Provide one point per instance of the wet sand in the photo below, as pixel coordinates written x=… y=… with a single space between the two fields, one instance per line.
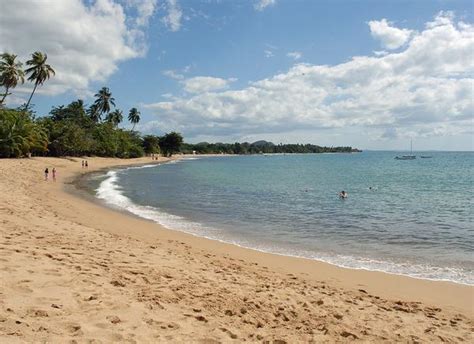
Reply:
x=75 y=271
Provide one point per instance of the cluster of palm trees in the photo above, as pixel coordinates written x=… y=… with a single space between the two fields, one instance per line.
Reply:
x=12 y=73
x=102 y=106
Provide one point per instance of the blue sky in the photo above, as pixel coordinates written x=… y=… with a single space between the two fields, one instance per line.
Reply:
x=285 y=71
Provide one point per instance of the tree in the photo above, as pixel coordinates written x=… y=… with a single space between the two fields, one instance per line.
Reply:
x=130 y=144
x=115 y=117
x=134 y=117
x=19 y=135
x=170 y=143
x=39 y=71
x=11 y=73
x=105 y=139
x=151 y=144
x=103 y=101
x=66 y=137
x=93 y=113
x=74 y=111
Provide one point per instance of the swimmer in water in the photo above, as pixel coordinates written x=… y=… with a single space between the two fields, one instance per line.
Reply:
x=342 y=194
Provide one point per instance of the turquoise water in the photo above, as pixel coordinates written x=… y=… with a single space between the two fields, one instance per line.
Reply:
x=416 y=220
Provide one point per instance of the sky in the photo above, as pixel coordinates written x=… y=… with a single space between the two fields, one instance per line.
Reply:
x=367 y=74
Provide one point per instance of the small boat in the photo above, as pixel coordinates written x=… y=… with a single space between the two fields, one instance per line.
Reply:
x=407 y=157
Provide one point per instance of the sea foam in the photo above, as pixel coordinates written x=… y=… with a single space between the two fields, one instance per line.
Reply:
x=112 y=194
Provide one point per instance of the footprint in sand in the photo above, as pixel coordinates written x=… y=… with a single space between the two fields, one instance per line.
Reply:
x=113 y=319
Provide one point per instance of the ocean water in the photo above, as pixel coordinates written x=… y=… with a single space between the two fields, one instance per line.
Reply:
x=417 y=219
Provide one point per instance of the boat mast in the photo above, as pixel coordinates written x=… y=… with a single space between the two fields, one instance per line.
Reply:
x=411 y=146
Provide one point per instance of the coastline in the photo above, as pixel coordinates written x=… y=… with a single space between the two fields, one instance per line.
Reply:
x=110 y=195
x=58 y=208
x=303 y=265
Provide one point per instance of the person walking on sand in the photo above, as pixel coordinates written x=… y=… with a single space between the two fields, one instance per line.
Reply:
x=54 y=174
x=82 y=163
x=87 y=164
x=46 y=173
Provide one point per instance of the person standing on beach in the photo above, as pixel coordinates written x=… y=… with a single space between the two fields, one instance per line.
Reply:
x=54 y=174
x=87 y=164
x=46 y=173
x=82 y=163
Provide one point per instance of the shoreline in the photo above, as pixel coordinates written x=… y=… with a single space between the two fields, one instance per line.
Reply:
x=88 y=191
x=215 y=277
x=308 y=261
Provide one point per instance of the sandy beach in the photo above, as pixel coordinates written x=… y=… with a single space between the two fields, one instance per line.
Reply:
x=74 y=271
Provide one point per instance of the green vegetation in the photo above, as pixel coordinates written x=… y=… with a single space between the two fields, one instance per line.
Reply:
x=39 y=71
x=259 y=147
x=20 y=135
x=151 y=144
x=170 y=143
x=73 y=130
x=80 y=130
x=134 y=117
x=10 y=73
x=102 y=104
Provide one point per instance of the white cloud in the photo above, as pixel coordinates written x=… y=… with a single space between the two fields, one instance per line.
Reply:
x=260 y=5
x=201 y=84
x=443 y=18
x=177 y=74
x=173 y=74
x=173 y=19
x=84 y=43
x=380 y=53
x=144 y=8
x=425 y=89
x=391 y=37
x=14 y=100
x=296 y=55
x=268 y=53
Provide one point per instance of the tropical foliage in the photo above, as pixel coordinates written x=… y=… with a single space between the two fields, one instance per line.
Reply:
x=134 y=117
x=102 y=103
x=20 y=135
x=73 y=132
x=115 y=117
x=259 y=147
x=170 y=143
x=39 y=71
x=74 y=129
x=10 y=73
x=151 y=144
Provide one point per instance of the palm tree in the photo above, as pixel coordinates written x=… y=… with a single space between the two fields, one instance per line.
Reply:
x=40 y=71
x=134 y=116
x=103 y=101
x=10 y=73
x=93 y=113
x=115 y=117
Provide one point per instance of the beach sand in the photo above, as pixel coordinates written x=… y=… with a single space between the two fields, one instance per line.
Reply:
x=75 y=271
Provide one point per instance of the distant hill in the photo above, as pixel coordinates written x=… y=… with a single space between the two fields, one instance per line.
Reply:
x=262 y=143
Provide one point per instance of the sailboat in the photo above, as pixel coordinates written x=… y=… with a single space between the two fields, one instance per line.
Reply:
x=407 y=157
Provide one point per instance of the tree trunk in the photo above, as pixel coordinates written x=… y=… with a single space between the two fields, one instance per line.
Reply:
x=5 y=95
x=133 y=126
x=31 y=96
